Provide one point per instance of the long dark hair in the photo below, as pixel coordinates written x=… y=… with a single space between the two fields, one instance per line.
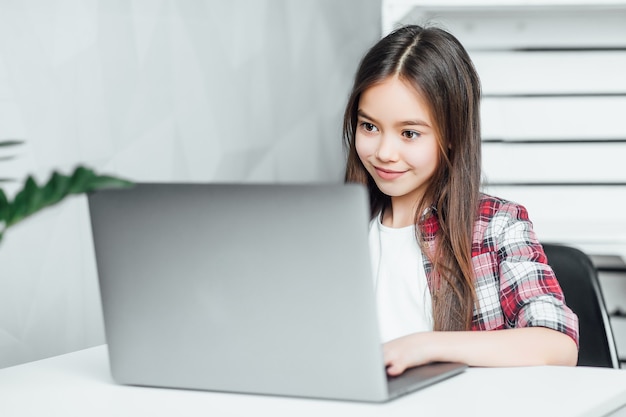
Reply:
x=438 y=67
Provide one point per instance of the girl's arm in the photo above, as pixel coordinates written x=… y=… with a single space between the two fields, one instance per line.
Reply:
x=511 y=347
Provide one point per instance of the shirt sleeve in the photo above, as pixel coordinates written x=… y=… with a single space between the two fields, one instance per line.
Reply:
x=530 y=294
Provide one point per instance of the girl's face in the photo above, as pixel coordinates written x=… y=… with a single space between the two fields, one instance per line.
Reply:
x=395 y=139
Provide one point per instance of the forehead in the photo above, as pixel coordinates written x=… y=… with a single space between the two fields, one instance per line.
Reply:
x=394 y=99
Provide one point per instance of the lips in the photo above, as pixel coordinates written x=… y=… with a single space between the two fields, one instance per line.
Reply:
x=388 y=174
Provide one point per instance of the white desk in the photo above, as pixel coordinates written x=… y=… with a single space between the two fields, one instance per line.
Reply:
x=79 y=384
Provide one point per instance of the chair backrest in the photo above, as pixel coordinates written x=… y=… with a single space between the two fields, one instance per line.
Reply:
x=578 y=278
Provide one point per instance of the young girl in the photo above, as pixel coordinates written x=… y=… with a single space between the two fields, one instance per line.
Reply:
x=448 y=260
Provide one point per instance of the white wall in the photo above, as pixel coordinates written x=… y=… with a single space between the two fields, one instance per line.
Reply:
x=157 y=90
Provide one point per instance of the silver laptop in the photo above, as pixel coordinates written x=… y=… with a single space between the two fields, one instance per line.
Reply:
x=262 y=289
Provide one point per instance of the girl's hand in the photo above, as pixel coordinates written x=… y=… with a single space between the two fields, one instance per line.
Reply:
x=406 y=352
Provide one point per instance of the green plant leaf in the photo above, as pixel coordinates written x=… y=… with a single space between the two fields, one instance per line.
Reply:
x=80 y=179
x=52 y=192
x=10 y=142
x=4 y=205
x=4 y=212
x=24 y=203
x=33 y=198
x=105 y=181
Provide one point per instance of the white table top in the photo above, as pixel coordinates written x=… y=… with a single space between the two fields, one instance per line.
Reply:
x=79 y=384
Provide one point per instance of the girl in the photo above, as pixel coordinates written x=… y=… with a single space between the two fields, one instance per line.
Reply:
x=448 y=260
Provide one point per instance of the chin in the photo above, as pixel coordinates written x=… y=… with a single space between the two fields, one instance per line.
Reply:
x=390 y=191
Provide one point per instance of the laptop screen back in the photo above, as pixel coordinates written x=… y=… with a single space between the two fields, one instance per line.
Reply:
x=242 y=288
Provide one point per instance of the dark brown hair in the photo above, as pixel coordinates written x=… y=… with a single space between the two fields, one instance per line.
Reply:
x=438 y=67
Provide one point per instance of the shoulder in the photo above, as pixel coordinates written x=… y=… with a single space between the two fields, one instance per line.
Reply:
x=500 y=221
x=491 y=206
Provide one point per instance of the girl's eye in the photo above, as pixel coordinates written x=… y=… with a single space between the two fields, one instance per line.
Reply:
x=411 y=134
x=368 y=127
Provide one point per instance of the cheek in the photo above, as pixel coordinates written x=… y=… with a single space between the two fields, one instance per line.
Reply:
x=364 y=147
x=427 y=158
x=418 y=158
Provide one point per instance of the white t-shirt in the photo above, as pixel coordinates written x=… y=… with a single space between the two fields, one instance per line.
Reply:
x=402 y=295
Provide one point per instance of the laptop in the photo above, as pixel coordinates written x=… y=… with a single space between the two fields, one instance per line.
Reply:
x=244 y=288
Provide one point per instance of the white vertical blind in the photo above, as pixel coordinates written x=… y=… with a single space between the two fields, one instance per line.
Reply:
x=554 y=109
x=553 y=115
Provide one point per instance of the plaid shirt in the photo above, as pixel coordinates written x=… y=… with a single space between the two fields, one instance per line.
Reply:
x=515 y=286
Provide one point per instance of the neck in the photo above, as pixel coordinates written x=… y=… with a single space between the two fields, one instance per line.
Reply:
x=401 y=213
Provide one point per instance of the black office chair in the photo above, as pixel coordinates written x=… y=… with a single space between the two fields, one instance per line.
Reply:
x=578 y=278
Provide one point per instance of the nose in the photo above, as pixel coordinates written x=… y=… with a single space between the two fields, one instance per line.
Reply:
x=387 y=150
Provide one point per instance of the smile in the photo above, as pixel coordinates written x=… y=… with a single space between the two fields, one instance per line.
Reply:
x=387 y=174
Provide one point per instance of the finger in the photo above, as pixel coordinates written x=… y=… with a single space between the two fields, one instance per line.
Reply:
x=395 y=369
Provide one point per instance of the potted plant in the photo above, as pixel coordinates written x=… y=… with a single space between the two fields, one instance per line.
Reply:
x=33 y=197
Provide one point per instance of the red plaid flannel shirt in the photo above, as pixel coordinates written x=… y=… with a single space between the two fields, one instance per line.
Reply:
x=515 y=286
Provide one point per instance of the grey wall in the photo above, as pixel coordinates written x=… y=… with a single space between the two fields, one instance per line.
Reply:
x=157 y=90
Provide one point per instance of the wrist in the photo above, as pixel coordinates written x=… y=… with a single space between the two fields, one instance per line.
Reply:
x=431 y=346
x=442 y=347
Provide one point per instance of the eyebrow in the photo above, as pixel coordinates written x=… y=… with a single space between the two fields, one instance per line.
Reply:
x=414 y=122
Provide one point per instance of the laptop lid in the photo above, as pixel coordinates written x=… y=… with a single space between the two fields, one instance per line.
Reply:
x=257 y=288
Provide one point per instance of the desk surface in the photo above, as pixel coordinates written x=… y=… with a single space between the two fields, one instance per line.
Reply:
x=79 y=384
